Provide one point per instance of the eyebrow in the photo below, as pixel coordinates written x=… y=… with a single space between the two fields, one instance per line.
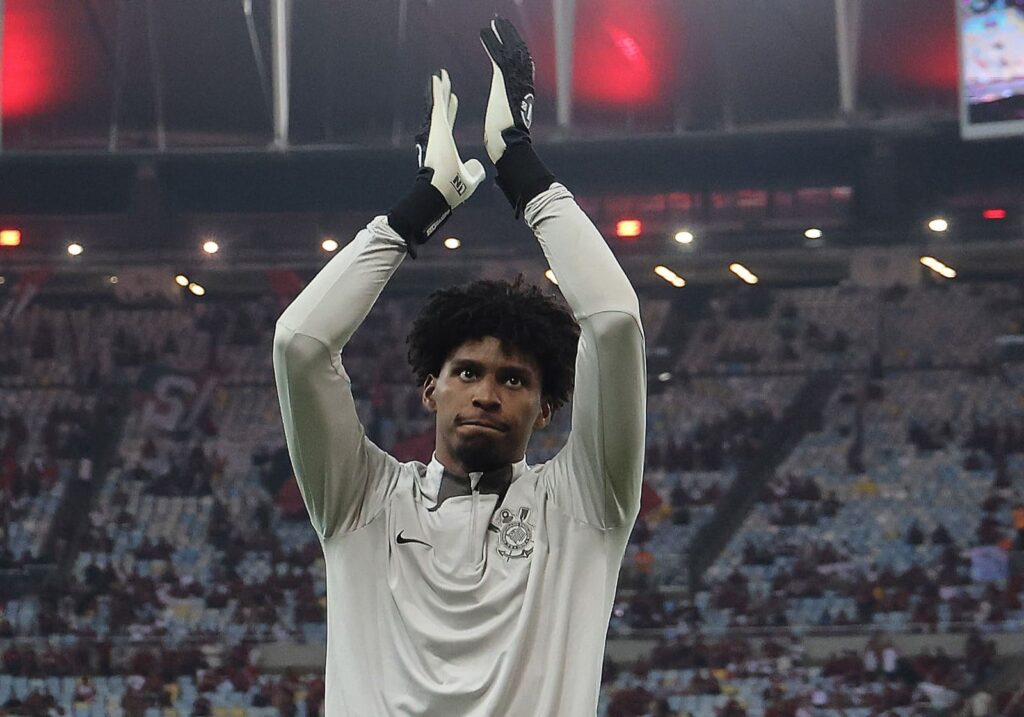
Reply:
x=516 y=369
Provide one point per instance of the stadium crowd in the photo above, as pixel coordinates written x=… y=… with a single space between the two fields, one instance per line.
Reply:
x=186 y=545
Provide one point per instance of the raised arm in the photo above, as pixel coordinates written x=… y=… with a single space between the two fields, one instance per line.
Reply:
x=344 y=478
x=596 y=478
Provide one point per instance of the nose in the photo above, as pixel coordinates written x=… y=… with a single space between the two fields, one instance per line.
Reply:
x=485 y=395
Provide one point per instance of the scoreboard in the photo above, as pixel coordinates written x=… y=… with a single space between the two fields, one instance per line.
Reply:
x=991 y=44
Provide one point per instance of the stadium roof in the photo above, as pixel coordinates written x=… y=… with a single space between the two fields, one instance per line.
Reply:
x=101 y=73
x=138 y=124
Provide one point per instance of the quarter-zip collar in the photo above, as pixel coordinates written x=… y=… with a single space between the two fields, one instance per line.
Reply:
x=439 y=483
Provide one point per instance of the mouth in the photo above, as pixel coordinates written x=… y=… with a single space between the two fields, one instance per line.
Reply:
x=484 y=424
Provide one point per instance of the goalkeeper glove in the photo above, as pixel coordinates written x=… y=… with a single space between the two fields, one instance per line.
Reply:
x=443 y=181
x=521 y=175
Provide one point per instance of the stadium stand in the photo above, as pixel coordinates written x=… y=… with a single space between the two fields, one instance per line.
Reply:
x=191 y=549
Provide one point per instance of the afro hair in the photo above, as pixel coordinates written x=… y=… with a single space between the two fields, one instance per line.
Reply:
x=525 y=320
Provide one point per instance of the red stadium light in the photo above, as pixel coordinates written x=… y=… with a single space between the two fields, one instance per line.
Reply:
x=994 y=214
x=628 y=228
x=35 y=72
x=10 y=237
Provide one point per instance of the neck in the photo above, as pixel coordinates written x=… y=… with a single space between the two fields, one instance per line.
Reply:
x=462 y=469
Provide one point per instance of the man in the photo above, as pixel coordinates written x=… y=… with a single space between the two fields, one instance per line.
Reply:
x=476 y=585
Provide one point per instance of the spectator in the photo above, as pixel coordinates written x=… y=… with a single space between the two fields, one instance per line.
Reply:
x=941 y=536
x=980 y=704
x=1018 y=526
x=85 y=693
x=914 y=534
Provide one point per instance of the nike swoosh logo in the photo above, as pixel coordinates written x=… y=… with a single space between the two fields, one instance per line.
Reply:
x=401 y=540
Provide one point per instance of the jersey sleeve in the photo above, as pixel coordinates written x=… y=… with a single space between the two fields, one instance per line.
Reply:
x=343 y=477
x=596 y=477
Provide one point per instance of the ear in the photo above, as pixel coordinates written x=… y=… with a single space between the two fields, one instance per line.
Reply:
x=544 y=418
x=427 y=396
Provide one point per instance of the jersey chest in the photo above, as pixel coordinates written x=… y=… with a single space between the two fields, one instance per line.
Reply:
x=469 y=540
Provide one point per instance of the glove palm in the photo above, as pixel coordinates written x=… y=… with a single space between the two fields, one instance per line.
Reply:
x=444 y=181
x=510 y=103
x=521 y=174
x=436 y=151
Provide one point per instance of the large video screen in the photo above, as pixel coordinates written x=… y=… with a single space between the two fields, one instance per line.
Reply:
x=991 y=36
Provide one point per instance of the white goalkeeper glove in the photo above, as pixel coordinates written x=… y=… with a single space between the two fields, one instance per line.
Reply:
x=444 y=181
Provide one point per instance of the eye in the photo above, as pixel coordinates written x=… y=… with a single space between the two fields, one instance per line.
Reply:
x=466 y=373
x=514 y=381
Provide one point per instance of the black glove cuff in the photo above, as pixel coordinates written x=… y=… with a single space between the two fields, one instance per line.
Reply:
x=521 y=174
x=419 y=213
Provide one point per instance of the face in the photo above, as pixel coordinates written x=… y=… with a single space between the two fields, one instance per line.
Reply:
x=488 y=403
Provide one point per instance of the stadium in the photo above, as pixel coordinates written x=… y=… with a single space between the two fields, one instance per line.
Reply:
x=819 y=206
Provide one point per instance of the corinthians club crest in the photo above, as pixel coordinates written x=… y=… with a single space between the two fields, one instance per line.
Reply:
x=515 y=535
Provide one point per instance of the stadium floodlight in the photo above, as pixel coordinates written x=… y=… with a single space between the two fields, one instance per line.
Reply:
x=75 y=249
x=670 y=276
x=628 y=228
x=938 y=225
x=664 y=376
x=684 y=237
x=938 y=267
x=813 y=233
x=113 y=279
x=211 y=247
x=196 y=289
x=329 y=245
x=550 y=276
x=744 y=273
x=10 y=237
x=452 y=243
x=181 y=280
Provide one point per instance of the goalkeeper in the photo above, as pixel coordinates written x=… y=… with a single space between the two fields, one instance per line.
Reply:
x=476 y=585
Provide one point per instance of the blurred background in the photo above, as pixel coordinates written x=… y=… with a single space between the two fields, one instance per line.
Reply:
x=820 y=203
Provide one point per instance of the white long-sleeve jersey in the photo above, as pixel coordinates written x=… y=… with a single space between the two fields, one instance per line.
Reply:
x=463 y=607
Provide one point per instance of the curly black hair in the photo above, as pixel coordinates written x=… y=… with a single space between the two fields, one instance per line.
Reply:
x=525 y=320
